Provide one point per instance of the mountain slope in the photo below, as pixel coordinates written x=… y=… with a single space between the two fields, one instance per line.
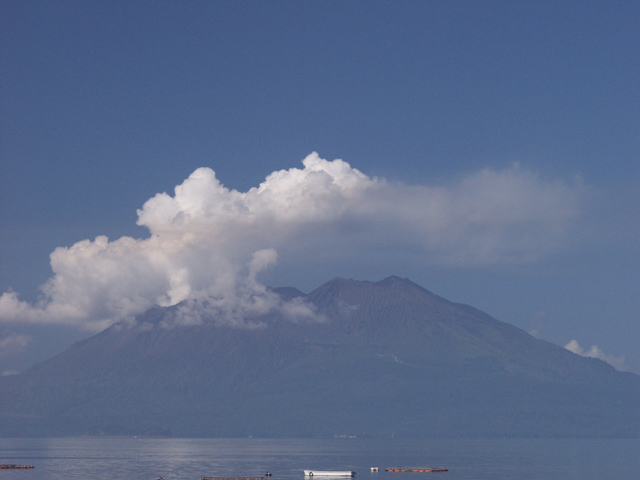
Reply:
x=383 y=358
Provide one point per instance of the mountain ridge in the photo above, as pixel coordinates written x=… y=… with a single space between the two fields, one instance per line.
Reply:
x=381 y=358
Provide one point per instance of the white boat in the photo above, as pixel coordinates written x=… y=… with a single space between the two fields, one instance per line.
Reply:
x=328 y=473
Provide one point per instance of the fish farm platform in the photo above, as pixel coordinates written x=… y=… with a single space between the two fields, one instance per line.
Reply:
x=417 y=469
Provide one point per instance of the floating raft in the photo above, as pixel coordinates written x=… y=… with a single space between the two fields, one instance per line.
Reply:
x=232 y=478
x=15 y=467
x=417 y=469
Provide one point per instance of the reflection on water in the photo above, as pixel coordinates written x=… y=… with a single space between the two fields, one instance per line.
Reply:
x=190 y=459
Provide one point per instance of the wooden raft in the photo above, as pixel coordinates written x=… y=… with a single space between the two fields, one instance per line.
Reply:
x=232 y=478
x=417 y=469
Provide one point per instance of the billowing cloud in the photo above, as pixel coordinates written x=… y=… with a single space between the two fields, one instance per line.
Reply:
x=595 y=352
x=207 y=244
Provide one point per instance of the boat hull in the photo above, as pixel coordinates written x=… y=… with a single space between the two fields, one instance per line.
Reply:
x=328 y=473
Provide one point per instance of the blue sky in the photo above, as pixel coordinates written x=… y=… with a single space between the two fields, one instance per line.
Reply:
x=492 y=155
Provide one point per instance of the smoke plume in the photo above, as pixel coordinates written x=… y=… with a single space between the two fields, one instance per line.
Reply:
x=595 y=352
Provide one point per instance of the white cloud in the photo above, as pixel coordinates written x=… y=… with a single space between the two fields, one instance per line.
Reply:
x=595 y=352
x=14 y=343
x=209 y=242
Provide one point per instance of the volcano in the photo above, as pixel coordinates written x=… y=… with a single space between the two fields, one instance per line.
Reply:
x=380 y=359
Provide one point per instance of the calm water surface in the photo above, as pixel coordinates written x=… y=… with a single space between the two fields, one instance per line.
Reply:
x=191 y=459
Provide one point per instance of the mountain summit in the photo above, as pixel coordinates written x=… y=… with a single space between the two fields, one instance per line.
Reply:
x=378 y=359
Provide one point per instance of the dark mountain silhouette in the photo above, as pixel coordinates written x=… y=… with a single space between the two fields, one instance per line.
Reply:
x=385 y=358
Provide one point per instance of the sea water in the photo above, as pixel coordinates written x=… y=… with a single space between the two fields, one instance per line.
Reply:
x=108 y=458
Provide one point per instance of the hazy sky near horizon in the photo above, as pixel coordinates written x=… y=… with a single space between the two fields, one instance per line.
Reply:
x=158 y=151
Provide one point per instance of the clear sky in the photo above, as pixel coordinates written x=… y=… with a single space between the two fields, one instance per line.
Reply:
x=490 y=152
